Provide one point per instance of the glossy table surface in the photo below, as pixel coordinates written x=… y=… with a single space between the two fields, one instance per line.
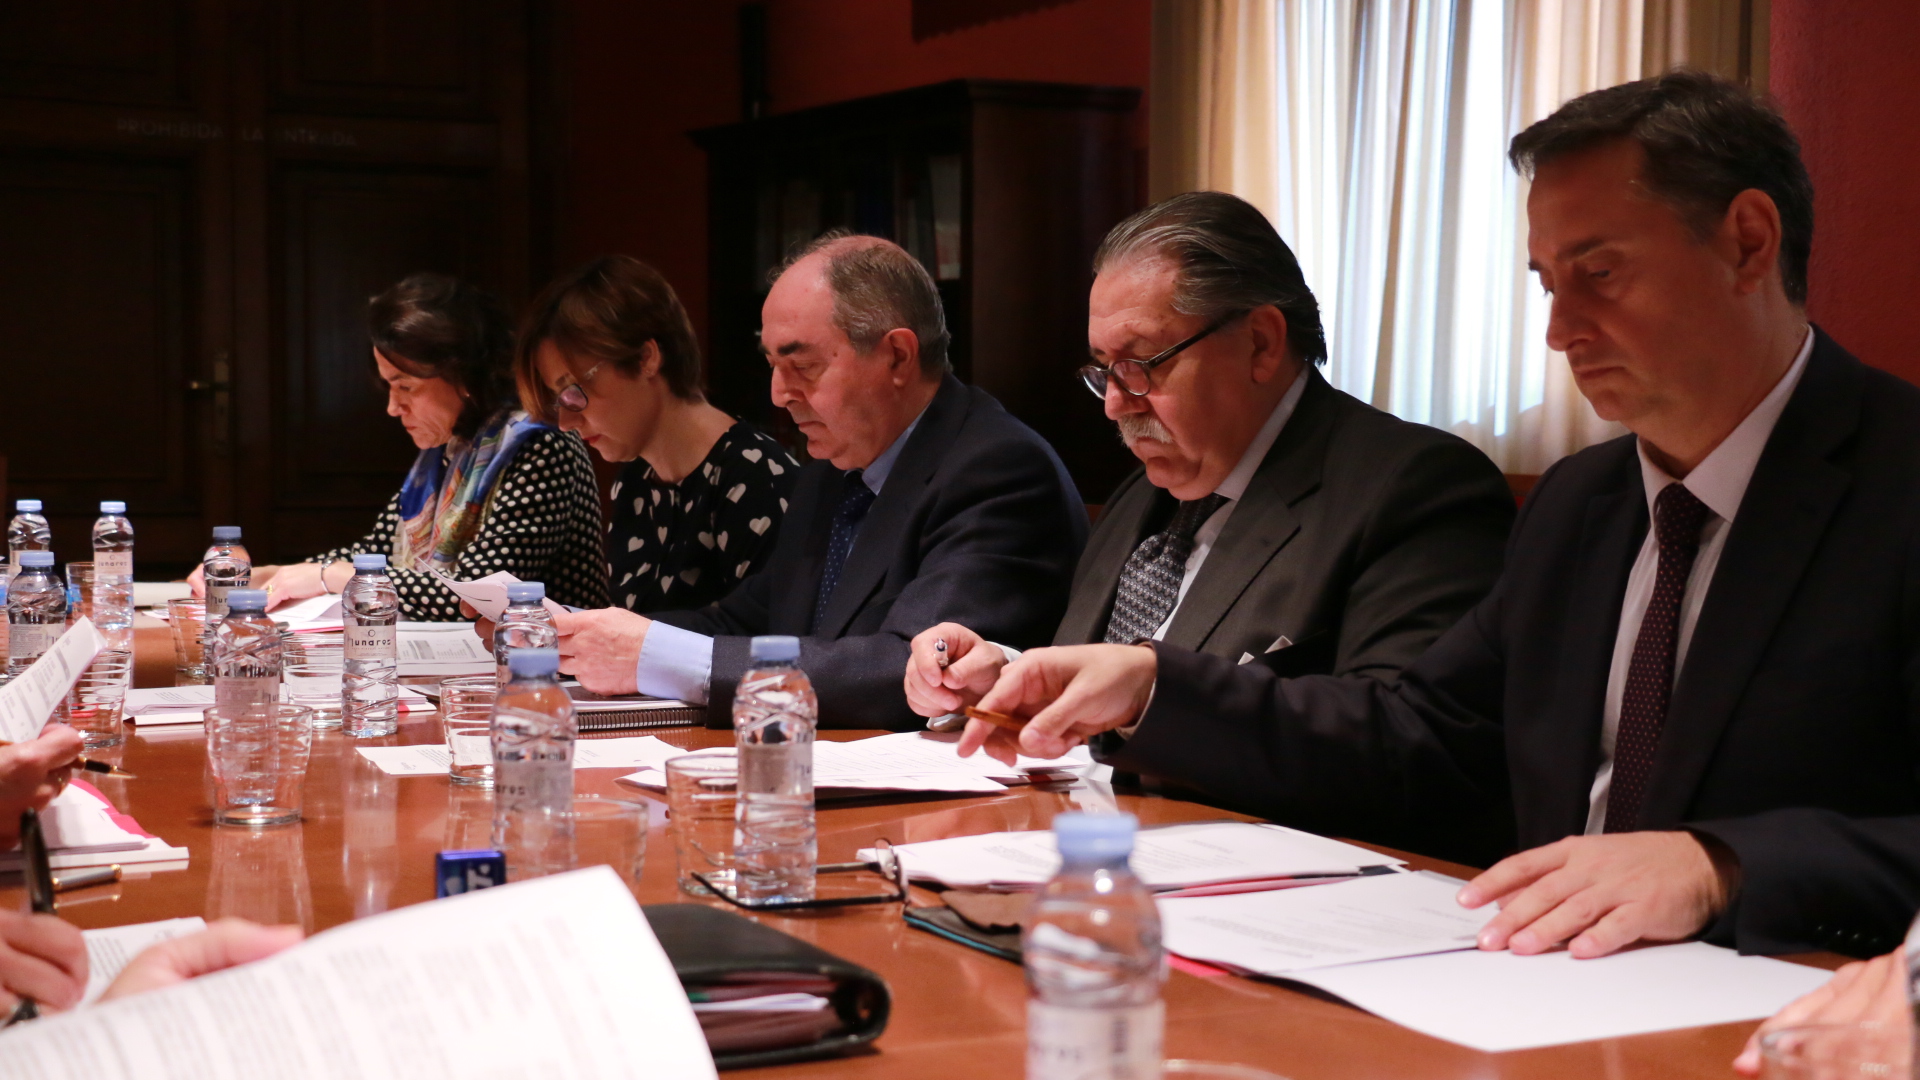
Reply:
x=368 y=841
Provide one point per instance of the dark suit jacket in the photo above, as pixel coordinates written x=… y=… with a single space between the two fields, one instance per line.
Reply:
x=1360 y=538
x=977 y=522
x=1794 y=730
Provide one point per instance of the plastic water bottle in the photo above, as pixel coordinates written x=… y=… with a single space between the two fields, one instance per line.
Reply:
x=36 y=611
x=225 y=567
x=1094 y=960
x=533 y=735
x=370 y=610
x=5 y=635
x=774 y=716
x=526 y=624
x=28 y=531
x=246 y=653
x=113 y=576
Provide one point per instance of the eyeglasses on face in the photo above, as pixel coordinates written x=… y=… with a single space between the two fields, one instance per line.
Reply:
x=574 y=397
x=1135 y=376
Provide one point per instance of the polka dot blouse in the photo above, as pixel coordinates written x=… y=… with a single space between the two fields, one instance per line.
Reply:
x=543 y=524
x=685 y=545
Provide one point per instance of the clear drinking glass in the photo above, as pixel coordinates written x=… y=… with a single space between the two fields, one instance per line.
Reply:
x=610 y=832
x=80 y=580
x=99 y=700
x=702 y=790
x=466 y=715
x=1836 y=1051
x=312 y=675
x=258 y=755
x=188 y=619
x=261 y=875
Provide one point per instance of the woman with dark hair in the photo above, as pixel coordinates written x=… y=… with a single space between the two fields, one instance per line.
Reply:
x=608 y=353
x=492 y=489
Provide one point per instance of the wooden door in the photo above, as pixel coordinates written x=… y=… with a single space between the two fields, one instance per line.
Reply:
x=195 y=204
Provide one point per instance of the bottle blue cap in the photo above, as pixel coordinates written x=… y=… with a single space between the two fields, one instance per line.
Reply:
x=526 y=592
x=112 y=506
x=775 y=648
x=247 y=600
x=1094 y=837
x=36 y=558
x=27 y=506
x=530 y=663
x=226 y=532
x=375 y=561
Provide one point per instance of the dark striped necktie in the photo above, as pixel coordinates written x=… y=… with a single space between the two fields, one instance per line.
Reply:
x=855 y=499
x=1150 y=582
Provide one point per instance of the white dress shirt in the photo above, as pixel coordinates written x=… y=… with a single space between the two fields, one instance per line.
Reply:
x=678 y=663
x=1720 y=481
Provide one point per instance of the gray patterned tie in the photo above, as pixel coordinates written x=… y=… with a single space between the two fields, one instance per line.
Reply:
x=1150 y=582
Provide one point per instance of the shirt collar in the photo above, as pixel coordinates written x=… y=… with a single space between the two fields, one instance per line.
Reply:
x=875 y=474
x=1235 y=485
x=1720 y=481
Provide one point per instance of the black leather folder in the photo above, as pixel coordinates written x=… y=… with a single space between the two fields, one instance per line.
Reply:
x=712 y=950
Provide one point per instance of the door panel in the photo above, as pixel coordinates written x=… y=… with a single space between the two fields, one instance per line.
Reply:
x=96 y=50
x=348 y=235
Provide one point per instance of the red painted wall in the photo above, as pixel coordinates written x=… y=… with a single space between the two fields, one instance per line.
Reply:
x=1844 y=73
x=635 y=77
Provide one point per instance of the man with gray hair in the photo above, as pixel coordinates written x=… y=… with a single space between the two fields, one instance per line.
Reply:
x=925 y=500
x=1274 y=520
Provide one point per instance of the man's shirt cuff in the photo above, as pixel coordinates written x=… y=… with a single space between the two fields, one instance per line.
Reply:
x=674 y=663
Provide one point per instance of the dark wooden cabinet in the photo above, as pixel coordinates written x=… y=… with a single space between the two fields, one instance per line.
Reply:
x=1002 y=189
x=197 y=197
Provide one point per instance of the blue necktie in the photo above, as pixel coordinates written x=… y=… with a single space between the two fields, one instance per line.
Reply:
x=854 y=501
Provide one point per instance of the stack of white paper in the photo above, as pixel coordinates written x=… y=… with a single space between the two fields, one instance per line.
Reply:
x=160 y=706
x=315 y=613
x=433 y=759
x=1172 y=857
x=1402 y=948
x=910 y=761
x=554 y=977
x=84 y=829
x=442 y=649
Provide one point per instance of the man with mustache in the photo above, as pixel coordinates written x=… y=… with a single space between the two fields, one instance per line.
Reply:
x=1695 y=690
x=1274 y=521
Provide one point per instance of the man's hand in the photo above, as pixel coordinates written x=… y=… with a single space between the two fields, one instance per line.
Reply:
x=227 y=943
x=1603 y=892
x=32 y=773
x=973 y=664
x=41 y=957
x=602 y=647
x=1873 y=992
x=1072 y=693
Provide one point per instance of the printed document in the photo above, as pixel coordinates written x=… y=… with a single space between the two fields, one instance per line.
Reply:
x=109 y=950
x=433 y=759
x=27 y=702
x=1497 y=1001
x=488 y=595
x=1171 y=857
x=908 y=761
x=556 y=977
x=1345 y=922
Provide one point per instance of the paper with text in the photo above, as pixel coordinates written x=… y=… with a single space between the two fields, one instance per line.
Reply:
x=1175 y=856
x=433 y=759
x=908 y=761
x=1496 y=1001
x=1345 y=922
x=109 y=950
x=488 y=595
x=28 y=701
x=557 y=977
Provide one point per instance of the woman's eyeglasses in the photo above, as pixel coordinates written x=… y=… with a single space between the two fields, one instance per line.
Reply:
x=574 y=397
x=1134 y=376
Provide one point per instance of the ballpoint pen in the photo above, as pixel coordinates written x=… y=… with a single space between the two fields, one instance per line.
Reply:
x=87 y=764
x=940 y=653
x=39 y=874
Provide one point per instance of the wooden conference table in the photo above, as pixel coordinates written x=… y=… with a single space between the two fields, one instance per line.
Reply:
x=368 y=841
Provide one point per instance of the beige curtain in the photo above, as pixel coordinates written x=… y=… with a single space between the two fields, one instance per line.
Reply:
x=1373 y=133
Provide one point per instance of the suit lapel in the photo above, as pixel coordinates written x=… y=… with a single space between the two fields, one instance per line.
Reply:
x=1122 y=526
x=1775 y=533
x=892 y=511
x=1564 y=751
x=1264 y=520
